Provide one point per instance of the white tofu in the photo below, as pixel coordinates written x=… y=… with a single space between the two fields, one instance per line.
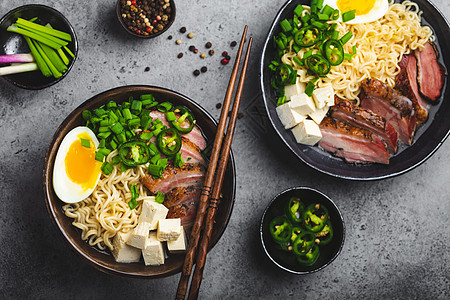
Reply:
x=178 y=245
x=152 y=212
x=319 y=114
x=153 y=251
x=288 y=117
x=139 y=235
x=122 y=252
x=307 y=132
x=168 y=229
x=323 y=96
x=302 y=104
x=294 y=89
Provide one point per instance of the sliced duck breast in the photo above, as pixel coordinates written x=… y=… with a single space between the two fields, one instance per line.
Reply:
x=352 y=143
x=392 y=106
x=430 y=72
x=360 y=117
x=406 y=83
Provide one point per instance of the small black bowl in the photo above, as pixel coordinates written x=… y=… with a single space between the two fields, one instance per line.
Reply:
x=12 y=43
x=286 y=260
x=125 y=27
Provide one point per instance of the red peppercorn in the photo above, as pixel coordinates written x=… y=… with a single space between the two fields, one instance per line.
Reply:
x=133 y=2
x=148 y=29
x=224 y=61
x=224 y=53
x=195 y=51
x=138 y=31
x=154 y=22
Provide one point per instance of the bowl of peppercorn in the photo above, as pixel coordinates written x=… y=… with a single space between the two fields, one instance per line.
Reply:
x=145 y=18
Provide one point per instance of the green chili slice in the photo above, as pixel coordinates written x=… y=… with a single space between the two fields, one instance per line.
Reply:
x=315 y=217
x=303 y=243
x=280 y=229
x=285 y=75
x=309 y=258
x=184 y=120
x=169 y=141
x=318 y=64
x=134 y=153
x=294 y=210
x=308 y=36
x=333 y=51
x=326 y=235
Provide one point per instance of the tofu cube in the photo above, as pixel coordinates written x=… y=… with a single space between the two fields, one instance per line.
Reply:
x=152 y=212
x=168 y=229
x=153 y=251
x=122 y=252
x=294 y=89
x=139 y=235
x=323 y=96
x=319 y=114
x=288 y=117
x=307 y=132
x=302 y=104
x=178 y=245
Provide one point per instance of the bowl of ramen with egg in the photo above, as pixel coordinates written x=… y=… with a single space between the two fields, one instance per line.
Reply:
x=123 y=176
x=357 y=89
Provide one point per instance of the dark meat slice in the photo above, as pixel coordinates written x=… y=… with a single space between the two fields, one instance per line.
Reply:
x=181 y=195
x=195 y=136
x=431 y=73
x=406 y=83
x=185 y=211
x=352 y=143
x=391 y=105
x=190 y=152
x=357 y=116
x=187 y=175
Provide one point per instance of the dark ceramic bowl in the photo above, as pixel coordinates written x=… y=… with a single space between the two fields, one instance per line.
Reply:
x=103 y=260
x=14 y=43
x=428 y=137
x=286 y=260
x=124 y=26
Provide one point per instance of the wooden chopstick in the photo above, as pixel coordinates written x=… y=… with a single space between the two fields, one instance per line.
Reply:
x=209 y=177
x=217 y=188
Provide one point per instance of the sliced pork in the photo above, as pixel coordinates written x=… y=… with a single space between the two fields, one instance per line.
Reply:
x=190 y=152
x=354 y=144
x=430 y=72
x=195 y=136
x=406 y=83
x=357 y=116
x=187 y=175
x=182 y=203
x=392 y=106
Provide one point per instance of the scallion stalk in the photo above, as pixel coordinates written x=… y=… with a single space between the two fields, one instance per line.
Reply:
x=21 y=68
x=49 y=31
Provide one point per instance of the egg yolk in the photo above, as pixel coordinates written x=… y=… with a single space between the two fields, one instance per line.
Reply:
x=361 y=7
x=81 y=166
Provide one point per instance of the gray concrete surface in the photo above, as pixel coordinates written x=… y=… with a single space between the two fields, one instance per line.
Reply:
x=397 y=244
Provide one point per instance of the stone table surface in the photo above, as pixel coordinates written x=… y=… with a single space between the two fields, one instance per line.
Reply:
x=397 y=242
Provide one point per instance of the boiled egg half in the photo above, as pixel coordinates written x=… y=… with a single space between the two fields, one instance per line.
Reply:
x=365 y=10
x=76 y=172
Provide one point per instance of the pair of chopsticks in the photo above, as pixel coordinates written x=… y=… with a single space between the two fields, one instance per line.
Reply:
x=209 y=179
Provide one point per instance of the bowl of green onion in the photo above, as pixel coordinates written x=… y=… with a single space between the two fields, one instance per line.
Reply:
x=302 y=230
x=39 y=46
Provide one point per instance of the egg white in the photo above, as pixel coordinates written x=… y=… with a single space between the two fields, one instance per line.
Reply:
x=378 y=11
x=64 y=187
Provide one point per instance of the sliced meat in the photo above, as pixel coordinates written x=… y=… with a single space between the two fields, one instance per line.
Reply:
x=186 y=212
x=360 y=117
x=352 y=143
x=182 y=194
x=195 y=136
x=190 y=152
x=392 y=106
x=187 y=175
x=406 y=83
x=430 y=72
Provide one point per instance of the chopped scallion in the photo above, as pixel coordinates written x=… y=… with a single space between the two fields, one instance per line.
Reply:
x=159 y=198
x=348 y=15
x=85 y=143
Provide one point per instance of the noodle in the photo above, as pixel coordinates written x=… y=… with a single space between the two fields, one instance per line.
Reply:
x=106 y=212
x=380 y=46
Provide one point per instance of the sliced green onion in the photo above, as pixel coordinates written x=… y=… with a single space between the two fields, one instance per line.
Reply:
x=165 y=106
x=46 y=30
x=281 y=100
x=38 y=58
x=127 y=114
x=155 y=170
x=323 y=17
x=153 y=149
x=99 y=156
x=298 y=61
x=113 y=144
x=310 y=88
x=107 y=168
x=321 y=26
x=178 y=160
x=104 y=135
x=146 y=136
x=335 y=35
x=68 y=51
x=51 y=66
x=154 y=160
x=348 y=15
x=85 y=143
x=298 y=10
x=35 y=36
x=327 y=10
x=348 y=56
x=335 y=15
x=117 y=128
x=346 y=37
x=86 y=114
x=134 y=122
x=136 y=106
x=104 y=151
x=115 y=160
x=159 y=197
x=147 y=96
x=170 y=116
x=285 y=25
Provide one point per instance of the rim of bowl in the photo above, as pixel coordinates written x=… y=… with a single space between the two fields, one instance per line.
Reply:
x=72 y=32
x=172 y=19
x=301 y=188
x=46 y=178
